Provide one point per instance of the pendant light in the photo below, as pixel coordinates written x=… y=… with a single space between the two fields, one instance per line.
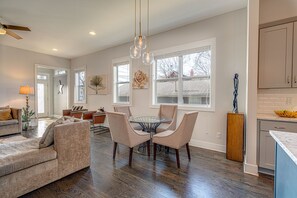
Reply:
x=140 y=41
x=147 y=56
x=134 y=51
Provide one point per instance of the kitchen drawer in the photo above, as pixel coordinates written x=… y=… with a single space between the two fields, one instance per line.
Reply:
x=278 y=126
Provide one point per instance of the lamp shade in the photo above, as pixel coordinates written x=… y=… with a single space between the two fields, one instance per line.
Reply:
x=26 y=90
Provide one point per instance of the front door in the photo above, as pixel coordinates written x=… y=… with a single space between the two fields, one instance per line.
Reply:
x=42 y=97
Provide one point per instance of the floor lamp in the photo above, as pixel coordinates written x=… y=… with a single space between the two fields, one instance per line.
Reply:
x=26 y=90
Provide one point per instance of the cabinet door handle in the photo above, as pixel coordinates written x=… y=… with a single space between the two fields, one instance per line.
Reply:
x=280 y=127
x=288 y=79
x=295 y=80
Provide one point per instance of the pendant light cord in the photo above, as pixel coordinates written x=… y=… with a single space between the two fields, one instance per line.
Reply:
x=139 y=17
x=148 y=23
x=134 y=18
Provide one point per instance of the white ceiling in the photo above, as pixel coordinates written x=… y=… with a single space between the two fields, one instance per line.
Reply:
x=65 y=24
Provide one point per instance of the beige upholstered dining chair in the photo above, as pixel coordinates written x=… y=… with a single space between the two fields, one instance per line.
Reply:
x=127 y=111
x=168 y=112
x=122 y=133
x=179 y=137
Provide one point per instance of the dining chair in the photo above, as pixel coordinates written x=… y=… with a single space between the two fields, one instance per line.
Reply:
x=127 y=111
x=122 y=132
x=177 y=138
x=167 y=112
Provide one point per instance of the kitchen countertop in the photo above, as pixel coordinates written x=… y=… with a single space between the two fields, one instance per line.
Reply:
x=288 y=142
x=274 y=117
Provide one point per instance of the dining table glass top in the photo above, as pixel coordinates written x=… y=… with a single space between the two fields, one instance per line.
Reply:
x=148 y=119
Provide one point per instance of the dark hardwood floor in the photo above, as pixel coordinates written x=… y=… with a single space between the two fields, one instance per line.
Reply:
x=208 y=175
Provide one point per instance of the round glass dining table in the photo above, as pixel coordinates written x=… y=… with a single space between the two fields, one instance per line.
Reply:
x=149 y=123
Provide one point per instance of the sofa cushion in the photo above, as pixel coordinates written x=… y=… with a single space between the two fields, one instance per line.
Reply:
x=19 y=155
x=5 y=107
x=8 y=122
x=5 y=114
x=47 y=138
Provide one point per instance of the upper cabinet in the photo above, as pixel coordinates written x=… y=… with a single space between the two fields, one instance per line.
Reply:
x=276 y=56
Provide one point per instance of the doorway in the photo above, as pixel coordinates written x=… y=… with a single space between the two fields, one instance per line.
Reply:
x=51 y=85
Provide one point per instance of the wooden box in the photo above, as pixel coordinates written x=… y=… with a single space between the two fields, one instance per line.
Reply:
x=235 y=136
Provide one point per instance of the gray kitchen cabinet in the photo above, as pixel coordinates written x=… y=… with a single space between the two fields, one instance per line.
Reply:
x=275 y=56
x=267 y=145
x=266 y=151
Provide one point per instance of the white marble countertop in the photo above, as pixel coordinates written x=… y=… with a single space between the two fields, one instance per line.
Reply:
x=288 y=142
x=274 y=117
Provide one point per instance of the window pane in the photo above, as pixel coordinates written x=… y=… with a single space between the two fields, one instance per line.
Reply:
x=80 y=88
x=41 y=77
x=196 y=91
x=197 y=64
x=123 y=92
x=123 y=73
x=167 y=91
x=167 y=68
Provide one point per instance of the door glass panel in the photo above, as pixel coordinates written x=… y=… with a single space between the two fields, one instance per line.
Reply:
x=41 y=102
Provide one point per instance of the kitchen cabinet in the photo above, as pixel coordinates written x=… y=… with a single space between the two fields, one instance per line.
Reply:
x=276 y=56
x=266 y=151
x=295 y=56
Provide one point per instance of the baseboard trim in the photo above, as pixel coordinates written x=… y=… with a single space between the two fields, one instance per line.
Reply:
x=251 y=169
x=208 y=145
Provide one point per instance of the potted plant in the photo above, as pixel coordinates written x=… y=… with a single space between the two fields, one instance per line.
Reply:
x=26 y=118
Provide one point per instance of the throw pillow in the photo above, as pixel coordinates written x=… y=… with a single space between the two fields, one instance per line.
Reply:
x=14 y=113
x=47 y=138
x=5 y=114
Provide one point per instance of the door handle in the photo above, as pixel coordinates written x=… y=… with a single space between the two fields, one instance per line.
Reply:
x=288 y=79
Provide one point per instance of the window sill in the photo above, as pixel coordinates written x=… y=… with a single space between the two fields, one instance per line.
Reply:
x=188 y=108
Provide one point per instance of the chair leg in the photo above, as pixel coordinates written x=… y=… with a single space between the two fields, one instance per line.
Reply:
x=130 y=156
x=114 y=149
x=188 y=151
x=148 y=144
x=177 y=158
x=155 y=150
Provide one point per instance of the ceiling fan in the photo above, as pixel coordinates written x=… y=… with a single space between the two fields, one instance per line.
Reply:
x=6 y=29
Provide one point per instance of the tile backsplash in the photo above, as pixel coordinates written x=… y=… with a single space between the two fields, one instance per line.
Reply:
x=267 y=103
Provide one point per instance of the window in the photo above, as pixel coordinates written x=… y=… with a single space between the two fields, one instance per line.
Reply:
x=80 y=86
x=60 y=72
x=184 y=77
x=121 y=88
x=41 y=77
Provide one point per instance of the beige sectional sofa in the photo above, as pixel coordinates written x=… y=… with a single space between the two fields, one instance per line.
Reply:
x=14 y=125
x=24 y=167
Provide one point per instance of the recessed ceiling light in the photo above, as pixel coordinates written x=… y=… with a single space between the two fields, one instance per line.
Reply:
x=54 y=49
x=92 y=33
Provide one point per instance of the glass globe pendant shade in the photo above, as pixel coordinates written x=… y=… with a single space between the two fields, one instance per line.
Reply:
x=140 y=42
x=135 y=52
x=148 y=58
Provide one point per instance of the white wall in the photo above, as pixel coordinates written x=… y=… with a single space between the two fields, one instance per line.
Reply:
x=250 y=161
x=17 y=67
x=230 y=33
x=61 y=99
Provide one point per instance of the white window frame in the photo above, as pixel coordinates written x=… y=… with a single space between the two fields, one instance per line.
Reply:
x=190 y=46
x=115 y=63
x=83 y=69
